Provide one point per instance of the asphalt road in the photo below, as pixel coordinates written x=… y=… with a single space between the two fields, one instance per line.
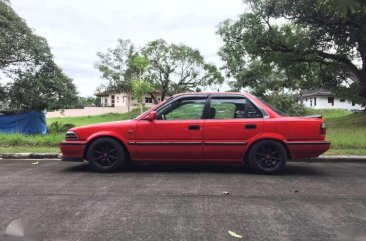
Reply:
x=310 y=201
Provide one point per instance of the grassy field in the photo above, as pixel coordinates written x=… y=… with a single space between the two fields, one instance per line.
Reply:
x=11 y=143
x=346 y=131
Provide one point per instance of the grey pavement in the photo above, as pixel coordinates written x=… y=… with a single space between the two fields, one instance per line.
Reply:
x=310 y=201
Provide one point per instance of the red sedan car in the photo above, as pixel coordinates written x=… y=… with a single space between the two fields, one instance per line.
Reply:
x=231 y=128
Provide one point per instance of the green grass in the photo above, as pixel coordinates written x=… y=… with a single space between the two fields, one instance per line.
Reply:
x=346 y=131
x=35 y=143
x=31 y=140
x=329 y=114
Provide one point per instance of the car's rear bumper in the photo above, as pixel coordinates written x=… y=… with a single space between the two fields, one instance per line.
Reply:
x=307 y=149
x=72 y=150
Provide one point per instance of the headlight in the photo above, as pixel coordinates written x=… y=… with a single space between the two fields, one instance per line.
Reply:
x=71 y=136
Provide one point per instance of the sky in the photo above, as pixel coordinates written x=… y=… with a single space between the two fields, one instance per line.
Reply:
x=77 y=29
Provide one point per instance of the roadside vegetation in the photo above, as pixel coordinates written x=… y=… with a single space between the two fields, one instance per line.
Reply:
x=13 y=143
x=346 y=131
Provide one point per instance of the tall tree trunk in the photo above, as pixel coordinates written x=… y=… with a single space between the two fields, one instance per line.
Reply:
x=362 y=80
x=128 y=101
x=154 y=98
x=141 y=106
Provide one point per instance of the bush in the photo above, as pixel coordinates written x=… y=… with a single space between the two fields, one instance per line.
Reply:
x=57 y=127
x=286 y=103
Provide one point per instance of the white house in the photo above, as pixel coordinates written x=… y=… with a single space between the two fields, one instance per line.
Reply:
x=324 y=99
x=112 y=99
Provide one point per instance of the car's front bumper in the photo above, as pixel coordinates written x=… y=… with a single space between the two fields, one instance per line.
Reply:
x=73 y=150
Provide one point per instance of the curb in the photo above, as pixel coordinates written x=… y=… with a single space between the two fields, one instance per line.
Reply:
x=30 y=156
x=324 y=158
x=339 y=158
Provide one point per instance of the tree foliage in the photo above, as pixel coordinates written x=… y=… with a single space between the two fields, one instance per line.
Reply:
x=171 y=68
x=47 y=88
x=177 y=68
x=116 y=66
x=141 y=87
x=298 y=44
x=32 y=78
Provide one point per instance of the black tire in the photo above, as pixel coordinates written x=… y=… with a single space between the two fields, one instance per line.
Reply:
x=267 y=157
x=106 y=155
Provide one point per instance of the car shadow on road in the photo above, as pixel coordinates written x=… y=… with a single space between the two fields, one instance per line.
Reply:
x=292 y=169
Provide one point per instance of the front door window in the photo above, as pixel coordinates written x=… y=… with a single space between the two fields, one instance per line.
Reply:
x=186 y=109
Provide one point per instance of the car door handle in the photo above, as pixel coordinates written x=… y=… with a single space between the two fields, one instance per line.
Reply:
x=194 y=128
x=250 y=126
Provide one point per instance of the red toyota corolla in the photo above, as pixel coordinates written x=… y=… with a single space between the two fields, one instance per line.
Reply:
x=231 y=128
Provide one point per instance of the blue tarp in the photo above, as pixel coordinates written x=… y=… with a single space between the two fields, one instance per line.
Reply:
x=32 y=122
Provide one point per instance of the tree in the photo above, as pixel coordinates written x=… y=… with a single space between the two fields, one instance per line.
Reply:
x=48 y=88
x=33 y=79
x=299 y=44
x=176 y=68
x=19 y=47
x=116 y=66
x=140 y=87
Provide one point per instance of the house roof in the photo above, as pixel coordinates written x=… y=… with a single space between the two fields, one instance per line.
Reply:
x=313 y=93
x=102 y=94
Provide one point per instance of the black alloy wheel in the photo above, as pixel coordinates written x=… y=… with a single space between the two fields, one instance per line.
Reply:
x=106 y=155
x=267 y=157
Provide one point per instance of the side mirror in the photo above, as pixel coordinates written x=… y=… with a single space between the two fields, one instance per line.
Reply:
x=151 y=116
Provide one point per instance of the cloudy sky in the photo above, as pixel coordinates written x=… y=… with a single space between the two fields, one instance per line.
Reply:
x=77 y=29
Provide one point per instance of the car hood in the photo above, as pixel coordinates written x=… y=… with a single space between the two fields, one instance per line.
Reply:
x=85 y=131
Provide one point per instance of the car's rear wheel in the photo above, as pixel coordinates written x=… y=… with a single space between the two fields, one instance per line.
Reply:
x=267 y=157
x=106 y=155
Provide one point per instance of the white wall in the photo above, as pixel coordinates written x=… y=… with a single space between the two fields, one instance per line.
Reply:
x=322 y=103
x=87 y=111
x=120 y=100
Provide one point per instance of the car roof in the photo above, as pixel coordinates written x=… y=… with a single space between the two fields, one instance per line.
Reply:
x=210 y=93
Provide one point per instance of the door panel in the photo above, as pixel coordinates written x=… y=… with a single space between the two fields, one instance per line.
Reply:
x=226 y=139
x=176 y=134
x=169 y=140
x=232 y=122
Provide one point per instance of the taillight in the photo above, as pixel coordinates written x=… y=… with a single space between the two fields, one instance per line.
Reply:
x=323 y=129
x=71 y=136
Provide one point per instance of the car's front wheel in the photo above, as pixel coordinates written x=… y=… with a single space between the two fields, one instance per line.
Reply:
x=106 y=155
x=267 y=157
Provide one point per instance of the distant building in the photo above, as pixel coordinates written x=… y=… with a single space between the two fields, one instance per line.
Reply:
x=113 y=99
x=324 y=99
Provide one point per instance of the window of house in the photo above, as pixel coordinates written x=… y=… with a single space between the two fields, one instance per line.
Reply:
x=342 y=100
x=148 y=100
x=314 y=101
x=117 y=99
x=311 y=102
x=331 y=100
x=353 y=103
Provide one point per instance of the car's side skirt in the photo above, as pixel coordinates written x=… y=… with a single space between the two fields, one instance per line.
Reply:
x=185 y=143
